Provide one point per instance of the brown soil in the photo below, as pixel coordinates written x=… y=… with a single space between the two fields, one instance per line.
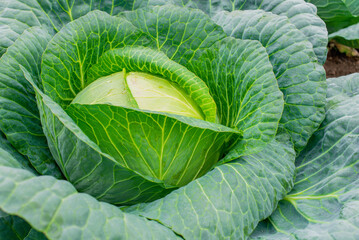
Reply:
x=338 y=64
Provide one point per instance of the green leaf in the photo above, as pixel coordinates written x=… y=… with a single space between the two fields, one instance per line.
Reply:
x=299 y=13
x=165 y=148
x=77 y=47
x=337 y=14
x=19 y=116
x=304 y=17
x=15 y=17
x=10 y=160
x=300 y=77
x=15 y=228
x=348 y=36
x=18 y=15
x=229 y=201
x=68 y=214
x=324 y=202
x=85 y=165
x=62 y=12
x=179 y=32
x=5 y=146
x=12 y=227
x=35 y=235
x=242 y=83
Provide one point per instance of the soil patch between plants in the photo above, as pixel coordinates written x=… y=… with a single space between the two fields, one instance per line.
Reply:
x=338 y=64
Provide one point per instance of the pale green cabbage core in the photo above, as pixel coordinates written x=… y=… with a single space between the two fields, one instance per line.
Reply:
x=140 y=90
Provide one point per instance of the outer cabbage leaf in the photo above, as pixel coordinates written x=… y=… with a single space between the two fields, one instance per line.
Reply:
x=21 y=14
x=179 y=32
x=301 y=14
x=61 y=12
x=324 y=202
x=241 y=80
x=12 y=227
x=337 y=14
x=35 y=235
x=18 y=15
x=5 y=146
x=229 y=201
x=56 y=209
x=348 y=36
x=19 y=116
x=68 y=214
x=15 y=228
x=300 y=77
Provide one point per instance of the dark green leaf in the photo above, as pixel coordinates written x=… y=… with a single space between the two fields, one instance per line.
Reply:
x=300 y=77
x=19 y=116
x=324 y=203
x=241 y=80
x=348 y=36
x=337 y=14
x=35 y=235
x=12 y=227
x=23 y=161
x=177 y=31
x=301 y=14
x=56 y=209
x=18 y=15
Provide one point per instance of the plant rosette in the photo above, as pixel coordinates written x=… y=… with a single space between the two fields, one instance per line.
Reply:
x=158 y=119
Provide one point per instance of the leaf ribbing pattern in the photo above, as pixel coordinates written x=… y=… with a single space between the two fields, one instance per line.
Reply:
x=9 y=149
x=82 y=162
x=59 y=217
x=77 y=47
x=337 y=14
x=18 y=15
x=178 y=32
x=324 y=202
x=142 y=59
x=300 y=77
x=173 y=149
x=241 y=80
x=19 y=116
x=299 y=13
x=348 y=36
x=227 y=202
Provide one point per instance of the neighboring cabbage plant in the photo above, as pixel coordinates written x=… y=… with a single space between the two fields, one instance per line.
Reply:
x=341 y=18
x=160 y=119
